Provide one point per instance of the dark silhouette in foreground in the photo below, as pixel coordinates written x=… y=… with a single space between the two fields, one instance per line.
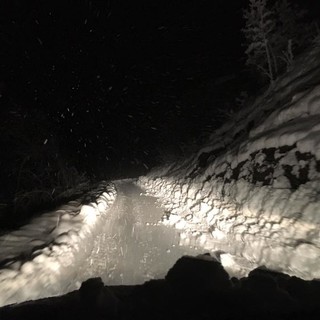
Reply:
x=194 y=288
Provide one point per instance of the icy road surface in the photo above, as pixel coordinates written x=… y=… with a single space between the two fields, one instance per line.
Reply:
x=133 y=245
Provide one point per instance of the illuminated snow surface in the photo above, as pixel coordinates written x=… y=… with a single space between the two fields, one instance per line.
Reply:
x=134 y=245
x=120 y=239
x=252 y=193
x=131 y=246
x=253 y=190
x=42 y=258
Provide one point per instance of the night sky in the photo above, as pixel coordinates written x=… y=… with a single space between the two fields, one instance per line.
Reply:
x=113 y=88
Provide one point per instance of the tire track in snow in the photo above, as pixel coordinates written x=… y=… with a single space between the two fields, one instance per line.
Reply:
x=132 y=246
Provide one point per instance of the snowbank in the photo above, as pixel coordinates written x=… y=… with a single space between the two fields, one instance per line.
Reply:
x=41 y=258
x=254 y=189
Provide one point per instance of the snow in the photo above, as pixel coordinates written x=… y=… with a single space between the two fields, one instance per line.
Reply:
x=120 y=237
x=132 y=244
x=257 y=197
x=39 y=259
x=256 y=201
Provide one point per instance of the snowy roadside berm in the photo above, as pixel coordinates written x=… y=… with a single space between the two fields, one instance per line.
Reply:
x=252 y=190
x=40 y=259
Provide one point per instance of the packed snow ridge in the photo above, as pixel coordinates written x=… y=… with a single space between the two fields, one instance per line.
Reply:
x=41 y=258
x=254 y=189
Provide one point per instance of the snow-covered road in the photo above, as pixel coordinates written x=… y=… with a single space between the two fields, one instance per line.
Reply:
x=118 y=236
x=132 y=246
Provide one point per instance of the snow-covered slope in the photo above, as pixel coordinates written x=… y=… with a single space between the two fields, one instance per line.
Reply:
x=42 y=258
x=254 y=189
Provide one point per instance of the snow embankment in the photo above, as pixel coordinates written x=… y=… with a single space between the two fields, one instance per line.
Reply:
x=42 y=258
x=254 y=189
